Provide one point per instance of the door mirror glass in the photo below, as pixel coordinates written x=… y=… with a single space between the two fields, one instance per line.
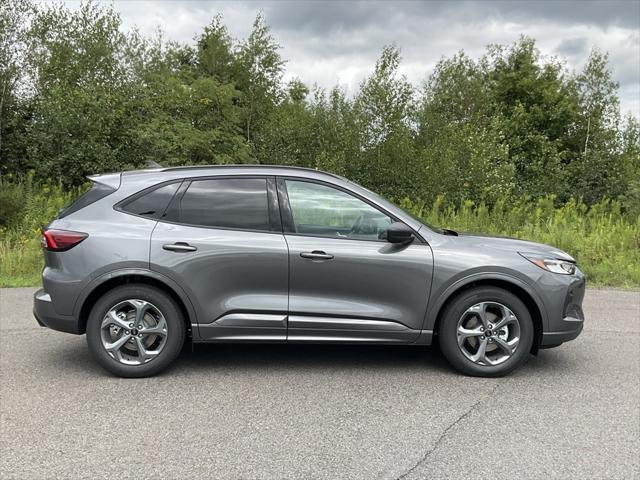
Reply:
x=398 y=232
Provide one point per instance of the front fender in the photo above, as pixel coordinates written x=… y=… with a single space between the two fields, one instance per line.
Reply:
x=448 y=289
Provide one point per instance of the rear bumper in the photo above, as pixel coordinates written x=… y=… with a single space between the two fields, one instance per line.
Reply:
x=47 y=316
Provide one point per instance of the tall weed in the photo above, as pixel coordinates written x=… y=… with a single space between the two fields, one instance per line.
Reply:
x=604 y=241
x=33 y=205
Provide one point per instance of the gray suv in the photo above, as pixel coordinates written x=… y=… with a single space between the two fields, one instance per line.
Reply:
x=146 y=259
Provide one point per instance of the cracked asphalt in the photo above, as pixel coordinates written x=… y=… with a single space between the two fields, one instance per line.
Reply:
x=306 y=412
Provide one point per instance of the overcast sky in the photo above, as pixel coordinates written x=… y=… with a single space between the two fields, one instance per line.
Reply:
x=334 y=42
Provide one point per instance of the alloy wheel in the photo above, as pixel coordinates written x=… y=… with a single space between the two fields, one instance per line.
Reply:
x=134 y=332
x=488 y=333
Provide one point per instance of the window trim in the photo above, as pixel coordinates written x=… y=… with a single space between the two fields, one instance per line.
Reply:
x=287 y=215
x=272 y=203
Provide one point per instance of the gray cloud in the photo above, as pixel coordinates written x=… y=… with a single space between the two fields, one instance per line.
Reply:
x=322 y=16
x=571 y=47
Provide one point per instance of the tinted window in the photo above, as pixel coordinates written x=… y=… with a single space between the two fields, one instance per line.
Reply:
x=152 y=204
x=226 y=202
x=97 y=192
x=326 y=211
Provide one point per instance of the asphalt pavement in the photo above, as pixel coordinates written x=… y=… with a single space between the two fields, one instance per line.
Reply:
x=306 y=412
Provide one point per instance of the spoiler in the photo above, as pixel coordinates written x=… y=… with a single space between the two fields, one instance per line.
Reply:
x=111 y=180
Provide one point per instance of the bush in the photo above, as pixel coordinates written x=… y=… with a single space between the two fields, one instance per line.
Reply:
x=605 y=242
x=10 y=205
x=37 y=204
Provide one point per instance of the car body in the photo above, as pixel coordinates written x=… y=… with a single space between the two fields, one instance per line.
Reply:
x=285 y=254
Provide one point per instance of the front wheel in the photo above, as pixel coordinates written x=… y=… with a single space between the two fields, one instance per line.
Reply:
x=486 y=332
x=135 y=331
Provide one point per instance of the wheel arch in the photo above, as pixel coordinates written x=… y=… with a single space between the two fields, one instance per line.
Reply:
x=510 y=284
x=107 y=282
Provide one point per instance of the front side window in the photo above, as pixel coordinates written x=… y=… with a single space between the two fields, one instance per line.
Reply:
x=238 y=203
x=324 y=211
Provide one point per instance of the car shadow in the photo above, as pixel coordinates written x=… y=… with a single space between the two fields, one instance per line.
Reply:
x=75 y=357
x=202 y=357
x=317 y=356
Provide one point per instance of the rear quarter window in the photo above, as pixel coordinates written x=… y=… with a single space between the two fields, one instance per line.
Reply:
x=151 y=203
x=97 y=192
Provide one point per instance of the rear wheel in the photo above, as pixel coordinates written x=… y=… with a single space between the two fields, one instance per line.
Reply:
x=135 y=331
x=486 y=331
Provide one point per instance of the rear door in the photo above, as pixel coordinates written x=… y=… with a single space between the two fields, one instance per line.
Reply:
x=347 y=283
x=221 y=240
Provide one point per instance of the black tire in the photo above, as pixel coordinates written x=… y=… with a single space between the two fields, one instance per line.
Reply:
x=175 y=337
x=448 y=337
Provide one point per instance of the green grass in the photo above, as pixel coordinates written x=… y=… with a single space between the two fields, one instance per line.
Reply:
x=25 y=207
x=604 y=241
x=20 y=263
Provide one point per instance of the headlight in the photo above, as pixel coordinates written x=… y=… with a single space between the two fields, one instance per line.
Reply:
x=554 y=265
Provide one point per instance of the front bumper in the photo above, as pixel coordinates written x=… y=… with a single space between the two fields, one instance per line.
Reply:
x=47 y=316
x=554 y=339
x=569 y=321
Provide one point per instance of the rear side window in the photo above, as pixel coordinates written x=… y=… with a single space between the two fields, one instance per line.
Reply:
x=152 y=203
x=95 y=193
x=239 y=203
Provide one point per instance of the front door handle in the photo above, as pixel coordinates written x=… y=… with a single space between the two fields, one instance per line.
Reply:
x=316 y=255
x=179 y=247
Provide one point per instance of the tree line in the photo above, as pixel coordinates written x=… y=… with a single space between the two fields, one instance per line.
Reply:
x=79 y=96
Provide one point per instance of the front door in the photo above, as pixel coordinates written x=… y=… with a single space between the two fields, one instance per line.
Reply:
x=346 y=283
x=221 y=241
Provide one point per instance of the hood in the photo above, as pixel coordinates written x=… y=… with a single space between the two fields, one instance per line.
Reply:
x=512 y=244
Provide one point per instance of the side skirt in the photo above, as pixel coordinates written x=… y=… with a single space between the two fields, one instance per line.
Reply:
x=278 y=328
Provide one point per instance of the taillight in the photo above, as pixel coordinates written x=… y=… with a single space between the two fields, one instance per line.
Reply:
x=61 y=240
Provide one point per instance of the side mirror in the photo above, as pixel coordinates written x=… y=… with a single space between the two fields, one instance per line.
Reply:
x=398 y=232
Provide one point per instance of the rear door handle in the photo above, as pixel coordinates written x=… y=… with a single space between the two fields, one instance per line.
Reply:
x=316 y=255
x=179 y=247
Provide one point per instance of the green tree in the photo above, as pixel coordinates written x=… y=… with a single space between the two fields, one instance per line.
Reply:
x=258 y=75
x=184 y=115
x=536 y=107
x=215 y=55
x=290 y=138
x=598 y=170
x=80 y=123
x=462 y=150
x=336 y=132
x=15 y=16
x=630 y=165
x=383 y=108
x=80 y=96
